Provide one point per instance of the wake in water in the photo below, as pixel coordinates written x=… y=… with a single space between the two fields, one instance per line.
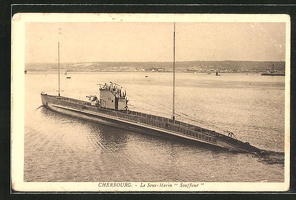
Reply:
x=265 y=156
x=272 y=157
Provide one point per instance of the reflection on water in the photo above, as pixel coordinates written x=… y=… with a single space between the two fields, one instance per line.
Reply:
x=67 y=149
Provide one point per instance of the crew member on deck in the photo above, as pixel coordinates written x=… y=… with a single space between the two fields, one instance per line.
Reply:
x=230 y=134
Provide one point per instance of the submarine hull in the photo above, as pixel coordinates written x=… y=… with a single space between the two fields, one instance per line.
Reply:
x=144 y=123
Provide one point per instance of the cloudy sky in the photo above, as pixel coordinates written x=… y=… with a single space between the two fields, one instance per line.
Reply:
x=146 y=41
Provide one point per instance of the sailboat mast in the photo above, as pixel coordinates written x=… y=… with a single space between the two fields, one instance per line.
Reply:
x=273 y=67
x=174 y=70
x=59 y=67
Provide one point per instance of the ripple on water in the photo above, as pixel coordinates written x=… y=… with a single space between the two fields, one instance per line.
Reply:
x=66 y=149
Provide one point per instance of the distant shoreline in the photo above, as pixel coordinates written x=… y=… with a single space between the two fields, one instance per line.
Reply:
x=89 y=72
x=163 y=67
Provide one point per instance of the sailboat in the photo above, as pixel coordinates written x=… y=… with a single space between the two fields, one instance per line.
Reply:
x=217 y=73
x=272 y=72
x=112 y=106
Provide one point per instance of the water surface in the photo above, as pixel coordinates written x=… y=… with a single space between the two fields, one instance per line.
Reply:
x=64 y=149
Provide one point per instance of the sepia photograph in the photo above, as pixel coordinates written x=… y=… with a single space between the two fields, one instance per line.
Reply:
x=150 y=102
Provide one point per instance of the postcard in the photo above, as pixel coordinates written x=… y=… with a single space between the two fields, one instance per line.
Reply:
x=150 y=102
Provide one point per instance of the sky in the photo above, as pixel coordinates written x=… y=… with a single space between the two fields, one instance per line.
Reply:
x=153 y=41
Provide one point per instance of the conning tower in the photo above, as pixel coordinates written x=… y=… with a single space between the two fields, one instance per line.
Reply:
x=112 y=96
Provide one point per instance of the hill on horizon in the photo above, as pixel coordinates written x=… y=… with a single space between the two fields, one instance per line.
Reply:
x=181 y=66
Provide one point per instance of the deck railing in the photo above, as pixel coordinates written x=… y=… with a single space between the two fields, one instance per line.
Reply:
x=150 y=120
x=164 y=123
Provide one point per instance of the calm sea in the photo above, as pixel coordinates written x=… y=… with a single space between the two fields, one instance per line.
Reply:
x=59 y=148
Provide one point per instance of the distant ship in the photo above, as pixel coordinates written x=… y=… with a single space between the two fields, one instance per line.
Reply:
x=272 y=72
x=112 y=106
